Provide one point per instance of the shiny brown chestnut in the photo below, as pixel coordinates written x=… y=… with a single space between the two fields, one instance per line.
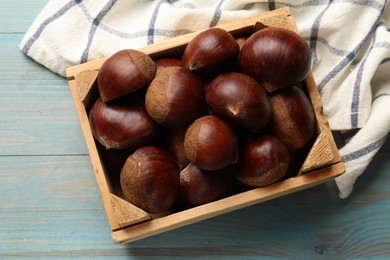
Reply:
x=123 y=73
x=209 y=49
x=276 y=57
x=150 y=179
x=293 y=119
x=121 y=124
x=264 y=160
x=175 y=97
x=174 y=144
x=198 y=187
x=163 y=63
x=211 y=144
x=239 y=99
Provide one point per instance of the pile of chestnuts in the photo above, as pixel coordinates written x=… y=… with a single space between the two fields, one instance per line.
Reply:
x=185 y=131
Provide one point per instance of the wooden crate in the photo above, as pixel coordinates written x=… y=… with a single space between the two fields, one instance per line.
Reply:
x=129 y=223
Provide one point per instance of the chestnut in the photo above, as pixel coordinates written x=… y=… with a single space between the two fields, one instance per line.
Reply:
x=174 y=144
x=175 y=97
x=150 y=179
x=239 y=99
x=293 y=119
x=124 y=72
x=163 y=63
x=264 y=160
x=122 y=124
x=211 y=143
x=199 y=187
x=209 y=50
x=276 y=57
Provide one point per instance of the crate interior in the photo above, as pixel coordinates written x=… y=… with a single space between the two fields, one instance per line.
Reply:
x=112 y=159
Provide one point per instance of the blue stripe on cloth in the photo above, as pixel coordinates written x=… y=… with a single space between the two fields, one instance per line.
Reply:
x=314 y=32
x=372 y=4
x=150 y=39
x=357 y=85
x=382 y=45
x=188 y=6
x=350 y=56
x=94 y=26
x=356 y=90
x=365 y=150
x=152 y=24
x=217 y=14
x=330 y=48
x=136 y=34
x=46 y=22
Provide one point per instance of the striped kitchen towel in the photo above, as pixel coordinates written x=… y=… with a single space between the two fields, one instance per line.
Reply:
x=350 y=43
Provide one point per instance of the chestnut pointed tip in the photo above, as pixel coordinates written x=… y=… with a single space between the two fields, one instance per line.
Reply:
x=210 y=49
x=234 y=110
x=239 y=99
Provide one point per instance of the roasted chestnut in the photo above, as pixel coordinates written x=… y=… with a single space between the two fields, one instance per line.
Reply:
x=175 y=97
x=264 y=160
x=276 y=57
x=211 y=144
x=239 y=99
x=199 y=187
x=174 y=144
x=122 y=124
x=293 y=119
x=209 y=50
x=123 y=73
x=150 y=179
x=163 y=63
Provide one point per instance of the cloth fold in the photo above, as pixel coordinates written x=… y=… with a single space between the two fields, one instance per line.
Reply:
x=350 y=43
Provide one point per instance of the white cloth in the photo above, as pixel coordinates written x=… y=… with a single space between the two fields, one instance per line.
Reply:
x=350 y=42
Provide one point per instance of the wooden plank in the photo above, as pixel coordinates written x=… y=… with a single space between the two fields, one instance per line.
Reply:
x=48 y=202
x=37 y=115
x=48 y=182
x=51 y=208
x=16 y=17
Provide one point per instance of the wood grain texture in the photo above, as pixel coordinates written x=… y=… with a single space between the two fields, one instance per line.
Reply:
x=17 y=17
x=51 y=207
x=37 y=114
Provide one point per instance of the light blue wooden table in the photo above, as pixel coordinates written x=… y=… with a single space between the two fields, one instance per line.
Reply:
x=51 y=206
